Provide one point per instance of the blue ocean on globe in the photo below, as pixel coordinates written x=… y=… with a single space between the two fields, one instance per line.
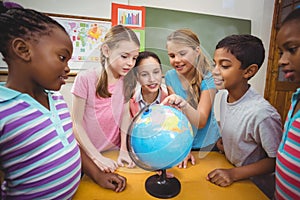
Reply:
x=161 y=137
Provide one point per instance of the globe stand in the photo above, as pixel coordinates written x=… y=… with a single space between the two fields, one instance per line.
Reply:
x=162 y=187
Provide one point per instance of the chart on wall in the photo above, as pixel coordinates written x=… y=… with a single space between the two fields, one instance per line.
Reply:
x=132 y=17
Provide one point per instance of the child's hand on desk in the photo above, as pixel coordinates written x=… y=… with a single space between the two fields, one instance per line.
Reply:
x=112 y=181
x=125 y=158
x=106 y=180
x=184 y=163
x=106 y=164
x=221 y=177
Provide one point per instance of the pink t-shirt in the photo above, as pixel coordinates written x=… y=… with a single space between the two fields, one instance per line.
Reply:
x=102 y=116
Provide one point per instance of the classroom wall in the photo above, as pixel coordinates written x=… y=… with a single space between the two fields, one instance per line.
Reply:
x=260 y=12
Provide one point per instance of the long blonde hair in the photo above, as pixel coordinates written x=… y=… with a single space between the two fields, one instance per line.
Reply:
x=113 y=37
x=202 y=65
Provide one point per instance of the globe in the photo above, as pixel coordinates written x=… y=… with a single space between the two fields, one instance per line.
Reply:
x=160 y=137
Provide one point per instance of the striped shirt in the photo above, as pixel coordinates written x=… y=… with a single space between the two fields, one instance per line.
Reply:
x=38 y=152
x=288 y=156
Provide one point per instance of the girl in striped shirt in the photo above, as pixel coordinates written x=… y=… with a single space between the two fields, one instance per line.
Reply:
x=39 y=156
x=288 y=155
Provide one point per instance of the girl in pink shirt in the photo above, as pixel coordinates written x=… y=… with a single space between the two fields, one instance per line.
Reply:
x=98 y=100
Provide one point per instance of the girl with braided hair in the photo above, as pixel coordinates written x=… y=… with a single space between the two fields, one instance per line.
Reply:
x=191 y=88
x=39 y=156
x=288 y=155
x=99 y=101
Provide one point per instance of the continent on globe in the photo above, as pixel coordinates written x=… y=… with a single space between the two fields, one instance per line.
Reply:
x=159 y=137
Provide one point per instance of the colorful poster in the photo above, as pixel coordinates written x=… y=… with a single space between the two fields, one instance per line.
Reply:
x=132 y=17
x=129 y=16
x=87 y=37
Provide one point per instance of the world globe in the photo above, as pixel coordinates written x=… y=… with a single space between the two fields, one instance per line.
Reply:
x=159 y=138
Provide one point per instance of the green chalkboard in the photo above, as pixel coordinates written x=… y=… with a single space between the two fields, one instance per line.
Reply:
x=209 y=28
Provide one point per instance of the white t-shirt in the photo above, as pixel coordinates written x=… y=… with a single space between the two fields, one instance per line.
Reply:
x=251 y=130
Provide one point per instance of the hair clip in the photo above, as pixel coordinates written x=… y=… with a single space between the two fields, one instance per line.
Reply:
x=10 y=5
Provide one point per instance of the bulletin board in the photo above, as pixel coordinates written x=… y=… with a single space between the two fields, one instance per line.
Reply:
x=87 y=35
x=209 y=28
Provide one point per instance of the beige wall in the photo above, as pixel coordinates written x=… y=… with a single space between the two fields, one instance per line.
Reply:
x=260 y=12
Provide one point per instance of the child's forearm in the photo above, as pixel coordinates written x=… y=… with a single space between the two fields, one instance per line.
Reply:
x=126 y=120
x=88 y=166
x=194 y=116
x=123 y=141
x=260 y=167
x=79 y=131
x=199 y=116
x=85 y=143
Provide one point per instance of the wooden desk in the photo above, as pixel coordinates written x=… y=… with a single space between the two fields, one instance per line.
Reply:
x=193 y=183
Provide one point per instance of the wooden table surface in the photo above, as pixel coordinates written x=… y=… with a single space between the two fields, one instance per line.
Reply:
x=193 y=183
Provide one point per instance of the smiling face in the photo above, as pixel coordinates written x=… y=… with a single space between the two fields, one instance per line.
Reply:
x=149 y=75
x=227 y=72
x=182 y=57
x=122 y=58
x=49 y=59
x=288 y=40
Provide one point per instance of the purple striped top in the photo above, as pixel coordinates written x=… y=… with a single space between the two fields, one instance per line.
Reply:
x=38 y=152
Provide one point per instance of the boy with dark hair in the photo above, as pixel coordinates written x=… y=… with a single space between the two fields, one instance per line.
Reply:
x=250 y=127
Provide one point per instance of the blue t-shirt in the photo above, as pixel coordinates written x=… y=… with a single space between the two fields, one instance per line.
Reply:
x=210 y=133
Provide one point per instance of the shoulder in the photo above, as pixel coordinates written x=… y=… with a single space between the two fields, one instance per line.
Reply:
x=254 y=98
x=296 y=95
x=207 y=76
x=85 y=80
x=7 y=94
x=259 y=107
x=89 y=74
x=171 y=78
x=208 y=82
x=222 y=95
x=170 y=73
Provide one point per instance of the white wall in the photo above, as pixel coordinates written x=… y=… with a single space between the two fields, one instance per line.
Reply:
x=260 y=12
x=90 y=8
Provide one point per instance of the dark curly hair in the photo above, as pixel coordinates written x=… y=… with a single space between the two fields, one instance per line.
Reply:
x=19 y=22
